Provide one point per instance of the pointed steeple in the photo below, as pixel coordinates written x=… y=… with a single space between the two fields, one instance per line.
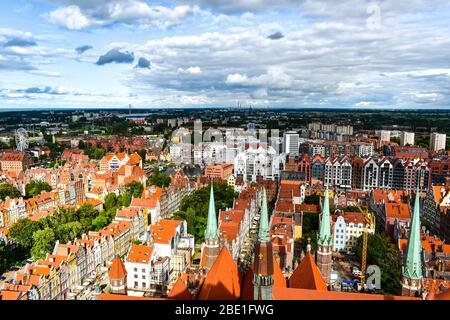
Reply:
x=211 y=228
x=263 y=235
x=325 y=227
x=412 y=267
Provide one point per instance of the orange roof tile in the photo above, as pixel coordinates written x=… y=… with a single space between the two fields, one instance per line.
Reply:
x=307 y=275
x=398 y=210
x=163 y=231
x=140 y=254
x=180 y=291
x=117 y=270
x=223 y=280
x=280 y=293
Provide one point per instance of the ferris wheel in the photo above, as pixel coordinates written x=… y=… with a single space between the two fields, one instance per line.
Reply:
x=21 y=139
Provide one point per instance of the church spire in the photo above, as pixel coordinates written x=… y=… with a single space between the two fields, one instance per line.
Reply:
x=211 y=228
x=325 y=225
x=263 y=260
x=263 y=235
x=412 y=267
x=324 y=245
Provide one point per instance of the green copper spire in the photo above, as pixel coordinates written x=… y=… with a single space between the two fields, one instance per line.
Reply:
x=211 y=228
x=325 y=226
x=412 y=267
x=263 y=235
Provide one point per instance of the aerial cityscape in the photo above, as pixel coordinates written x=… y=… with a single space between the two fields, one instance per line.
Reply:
x=213 y=150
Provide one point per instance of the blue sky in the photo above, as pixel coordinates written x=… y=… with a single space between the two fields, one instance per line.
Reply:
x=295 y=53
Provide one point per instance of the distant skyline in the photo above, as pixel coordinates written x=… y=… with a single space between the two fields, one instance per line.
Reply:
x=183 y=53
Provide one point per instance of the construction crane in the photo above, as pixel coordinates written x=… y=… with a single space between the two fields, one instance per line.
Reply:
x=368 y=223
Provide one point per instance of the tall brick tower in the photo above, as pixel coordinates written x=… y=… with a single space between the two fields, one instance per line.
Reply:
x=263 y=261
x=324 y=243
x=212 y=245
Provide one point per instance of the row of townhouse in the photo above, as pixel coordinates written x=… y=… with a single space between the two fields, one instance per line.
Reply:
x=171 y=196
x=263 y=162
x=347 y=227
x=65 y=272
x=366 y=173
x=11 y=210
x=393 y=210
x=436 y=204
x=235 y=223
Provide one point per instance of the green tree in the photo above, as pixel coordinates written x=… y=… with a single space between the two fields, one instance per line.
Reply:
x=100 y=222
x=190 y=220
x=135 y=188
x=8 y=190
x=87 y=213
x=68 y=231
x=312 y=199
x=383 y=253
x=34 y=188
x=44 y=240
x=110 y=201
x=22 y=232
x=124 y=200
x=159 y=179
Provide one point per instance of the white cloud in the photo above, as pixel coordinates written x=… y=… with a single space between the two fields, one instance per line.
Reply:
x=70 y=17
x=190 y=70
x=130 y=12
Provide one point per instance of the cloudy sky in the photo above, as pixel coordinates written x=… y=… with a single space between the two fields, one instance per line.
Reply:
x=284 y=53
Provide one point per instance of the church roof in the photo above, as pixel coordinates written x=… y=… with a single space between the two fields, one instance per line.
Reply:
x=223 y=279
x=280 y=293
x=307 y=275
x=180 y=291
x=278 y=280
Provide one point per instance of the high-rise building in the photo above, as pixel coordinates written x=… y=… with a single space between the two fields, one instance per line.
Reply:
x=291 y=143
x=406 y=138
x=385 y=135
x=438 y=141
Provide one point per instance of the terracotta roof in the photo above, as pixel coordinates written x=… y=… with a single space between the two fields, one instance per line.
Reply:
x=140 y=254
x=223 y=280
x=280 y=293
x=180 y=291
x=108 y=296
x=9 y=295
x=397 y=210
x=443 y=296
x=148 y=203
x=229 y=230
x=163 y=231
x=117 y=270
x=307 y=275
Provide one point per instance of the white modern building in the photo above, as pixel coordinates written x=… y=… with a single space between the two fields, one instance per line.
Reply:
x=438 y=141
x=264 y=162
x=406 y=138
x=385 y=135
x=291 y=143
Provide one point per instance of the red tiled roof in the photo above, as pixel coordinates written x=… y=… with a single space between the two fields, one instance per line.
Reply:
x=140 y=254
x=117 y=270
x=180 y=291
x=307 y=275
x=280 y=293
x=223 y=280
